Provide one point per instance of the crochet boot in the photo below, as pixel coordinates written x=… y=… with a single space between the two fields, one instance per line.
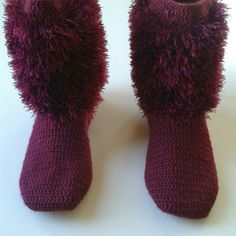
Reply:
x=177 y=51
x=59 y=62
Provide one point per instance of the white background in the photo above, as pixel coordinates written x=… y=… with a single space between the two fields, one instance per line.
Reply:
x=118 y=202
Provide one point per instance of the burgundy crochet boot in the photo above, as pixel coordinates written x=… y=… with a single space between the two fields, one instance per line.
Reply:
x=177 y=51
x=59 y=62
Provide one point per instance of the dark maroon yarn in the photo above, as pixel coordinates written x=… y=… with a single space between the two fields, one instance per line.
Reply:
x=57 y=170
x=177 y=49
x=58 y=52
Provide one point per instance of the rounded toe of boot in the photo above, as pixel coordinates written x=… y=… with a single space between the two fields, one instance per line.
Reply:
x=57 y=170
x=180 y=170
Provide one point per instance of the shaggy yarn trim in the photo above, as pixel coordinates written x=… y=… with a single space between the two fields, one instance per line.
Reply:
x=177 y=63
x=58 y=55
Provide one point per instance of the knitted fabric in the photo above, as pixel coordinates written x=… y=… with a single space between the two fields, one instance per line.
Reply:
x=57 y=167
x=177 y=49
x=59 y=61
x=180 y=171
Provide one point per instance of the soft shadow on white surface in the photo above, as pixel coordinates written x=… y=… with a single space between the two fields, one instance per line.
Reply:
x=118 y=202
x=115 y=128
x=119 y=140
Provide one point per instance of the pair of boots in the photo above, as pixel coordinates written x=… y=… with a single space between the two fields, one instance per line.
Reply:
x=58 y=51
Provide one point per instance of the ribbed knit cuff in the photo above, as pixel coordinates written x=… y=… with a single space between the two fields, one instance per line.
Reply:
x=187 y=11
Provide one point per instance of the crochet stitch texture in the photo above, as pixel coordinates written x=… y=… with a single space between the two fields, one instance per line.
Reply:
x=177 y=49
x=59 y=61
